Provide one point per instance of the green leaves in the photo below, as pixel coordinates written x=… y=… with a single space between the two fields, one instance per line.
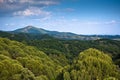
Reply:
x=92 y=64
x=22 y=62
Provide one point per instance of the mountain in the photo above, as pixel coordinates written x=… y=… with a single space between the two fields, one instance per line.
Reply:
x=32 y=30
x=63 y=35
x=25 y=36
x=56 y=34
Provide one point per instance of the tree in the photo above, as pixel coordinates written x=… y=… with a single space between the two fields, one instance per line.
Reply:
x=27 y=75
x=66 y=76
x=95 y=65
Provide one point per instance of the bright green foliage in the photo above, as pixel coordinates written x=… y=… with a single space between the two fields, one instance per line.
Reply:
x=74 y=74
x=21 y=62
x=66 y=76
x=95 y=64
x=110 y=78
x=27 y=75
x=42 y=77
x=9 y=68
x=92 y=64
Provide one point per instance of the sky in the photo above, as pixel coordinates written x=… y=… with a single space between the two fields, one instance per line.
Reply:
x=86 y=17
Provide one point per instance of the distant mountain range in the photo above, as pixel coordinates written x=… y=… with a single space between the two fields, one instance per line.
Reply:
x=38 y=32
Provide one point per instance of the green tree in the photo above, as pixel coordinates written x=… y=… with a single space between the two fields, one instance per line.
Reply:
x=66 y=76
x=95 y=65
x=27 y=75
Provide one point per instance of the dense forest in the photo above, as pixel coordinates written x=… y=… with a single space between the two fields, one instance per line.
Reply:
x=21 y=62
x=42 y=57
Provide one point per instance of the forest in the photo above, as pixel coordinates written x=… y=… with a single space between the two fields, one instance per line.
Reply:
x=48 y=58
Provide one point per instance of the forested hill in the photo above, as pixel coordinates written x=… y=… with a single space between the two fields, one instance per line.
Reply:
x=63 y=35
x=68 y=48
x=27 y=56
x=21 y=62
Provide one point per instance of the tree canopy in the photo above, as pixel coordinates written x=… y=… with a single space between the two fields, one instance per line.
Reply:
x=19 y=61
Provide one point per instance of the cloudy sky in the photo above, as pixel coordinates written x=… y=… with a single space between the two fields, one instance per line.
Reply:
x=77 y=16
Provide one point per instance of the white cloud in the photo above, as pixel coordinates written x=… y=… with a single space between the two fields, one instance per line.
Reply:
x=112 y=22
x=32 y=11
x=21 y=7
x=32 y=2
x=12 y=1
x=100 y=22
x=40 y=2
x=50 y=2
x=42 y=20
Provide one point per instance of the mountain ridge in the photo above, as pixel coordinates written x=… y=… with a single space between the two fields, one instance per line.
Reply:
x=56 y=34
x=62 y=35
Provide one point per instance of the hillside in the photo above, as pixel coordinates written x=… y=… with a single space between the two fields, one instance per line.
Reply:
x=63 y=35
x=70 y=48
x=44 y=57
x=21 y=62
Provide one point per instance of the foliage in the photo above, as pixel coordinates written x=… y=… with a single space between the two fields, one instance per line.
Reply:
x=92 y=64
x=21 y=62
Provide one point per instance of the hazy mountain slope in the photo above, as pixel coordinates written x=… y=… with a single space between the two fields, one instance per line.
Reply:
x=60 y=35
x=24 y=36
x=31 y=29
x=63 y=35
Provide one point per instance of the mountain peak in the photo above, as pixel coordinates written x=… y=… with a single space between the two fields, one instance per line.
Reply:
x=29 y=27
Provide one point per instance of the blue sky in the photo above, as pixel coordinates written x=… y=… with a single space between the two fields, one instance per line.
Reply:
x=77 y=16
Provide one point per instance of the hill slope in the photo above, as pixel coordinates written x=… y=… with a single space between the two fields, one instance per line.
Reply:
x=34 y=30
x=21 y=62
x=51 y=45
x=63 y=35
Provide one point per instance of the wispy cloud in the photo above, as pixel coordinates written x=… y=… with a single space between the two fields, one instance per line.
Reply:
x=40 y=2
x=72 y=22
x=32 y=11
x=112 y=22
x=101 y=23
x=21 y=7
